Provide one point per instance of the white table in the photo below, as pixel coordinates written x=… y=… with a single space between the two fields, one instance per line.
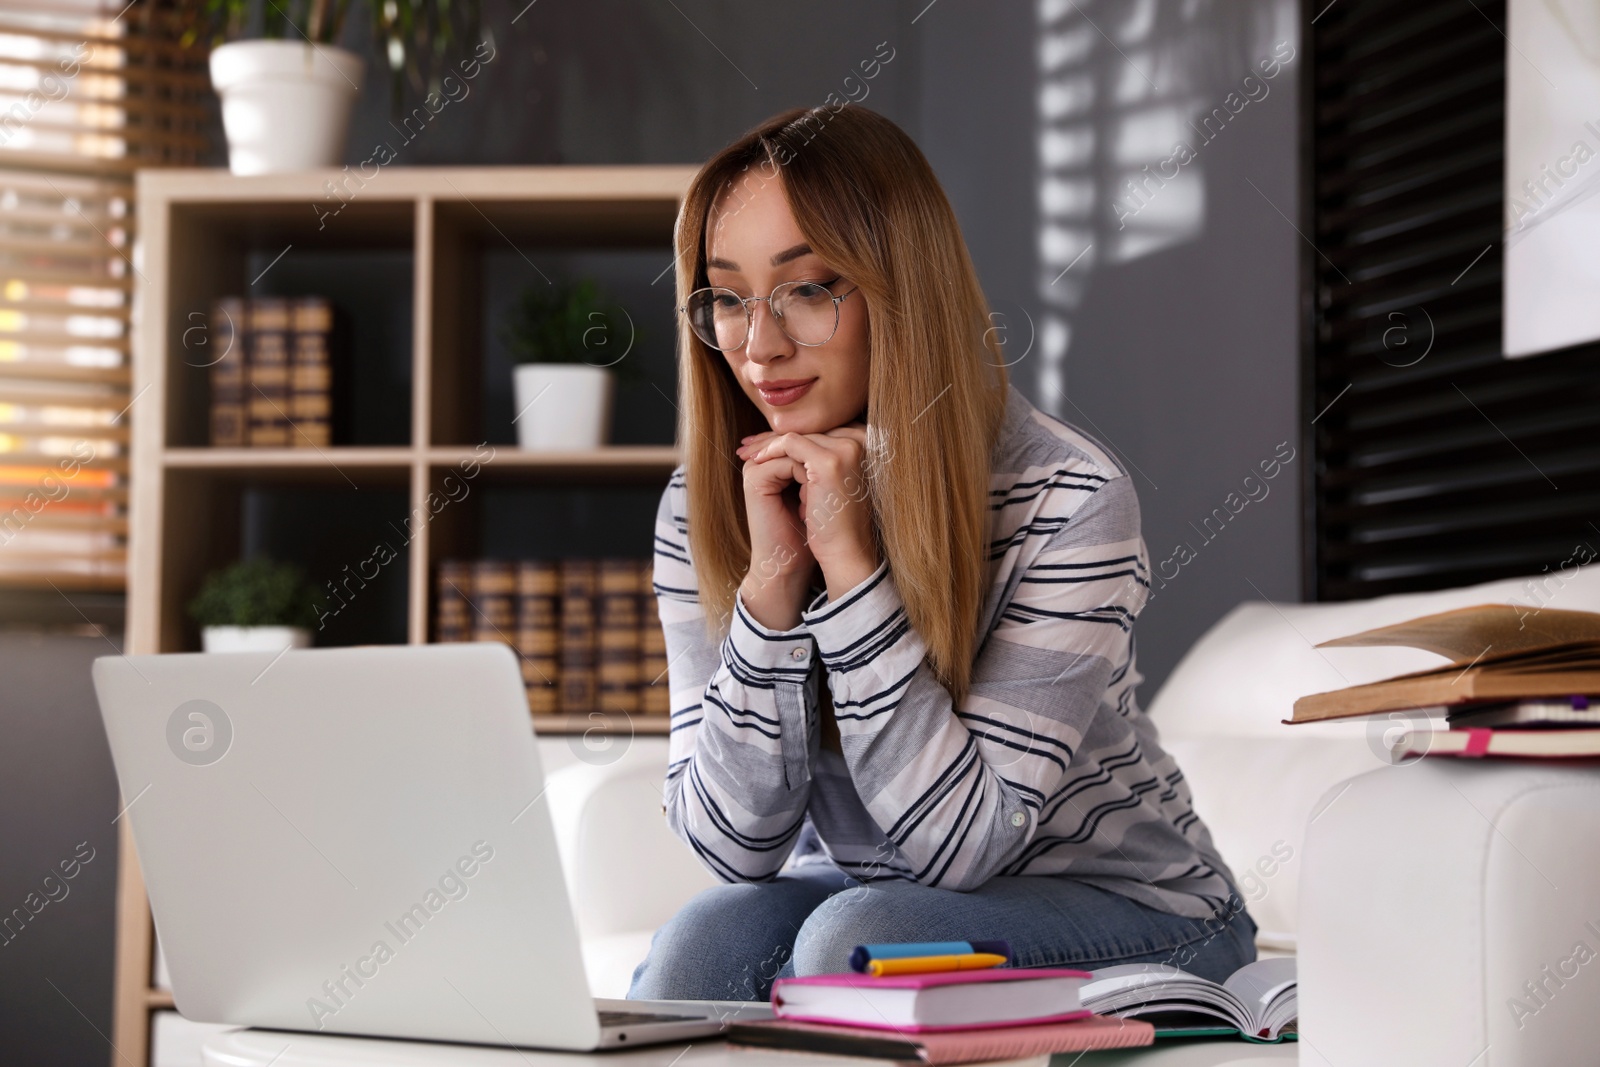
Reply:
x=258 y=1048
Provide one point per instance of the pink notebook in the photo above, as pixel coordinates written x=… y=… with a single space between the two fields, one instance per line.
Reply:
x=872 y=1012
x=965 y=1046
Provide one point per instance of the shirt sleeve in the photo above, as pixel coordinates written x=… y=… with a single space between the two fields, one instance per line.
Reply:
x=960 y=790
x=740 y=752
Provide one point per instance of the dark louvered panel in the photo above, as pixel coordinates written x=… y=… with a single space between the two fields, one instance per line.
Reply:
x=1437 y=462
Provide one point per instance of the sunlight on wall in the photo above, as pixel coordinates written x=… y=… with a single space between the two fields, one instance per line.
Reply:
x=1130 y=95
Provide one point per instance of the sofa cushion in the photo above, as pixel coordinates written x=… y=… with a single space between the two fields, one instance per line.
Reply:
x=1256 y=781
x=1257 y=795
x=626 y=872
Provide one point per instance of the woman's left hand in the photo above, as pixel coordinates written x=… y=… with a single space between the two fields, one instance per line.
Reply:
x=834 y=501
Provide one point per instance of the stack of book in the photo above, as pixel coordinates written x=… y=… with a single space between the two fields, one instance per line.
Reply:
x=586 y=631
x=1519 y=682
x=272 y=375
x=938 y=1003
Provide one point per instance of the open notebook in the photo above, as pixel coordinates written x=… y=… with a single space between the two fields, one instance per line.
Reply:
x=1259 y=1001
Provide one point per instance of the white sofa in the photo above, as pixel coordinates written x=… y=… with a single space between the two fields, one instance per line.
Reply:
x=1255 y=780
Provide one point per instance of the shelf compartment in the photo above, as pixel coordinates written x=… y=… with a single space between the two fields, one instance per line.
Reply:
x=214 y=517
x=363 y=260
x=640 y=341
x=483 y=254
x=555 y=520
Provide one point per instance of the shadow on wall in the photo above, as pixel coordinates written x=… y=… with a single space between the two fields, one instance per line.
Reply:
x=1130 y=97
x=1167 y=260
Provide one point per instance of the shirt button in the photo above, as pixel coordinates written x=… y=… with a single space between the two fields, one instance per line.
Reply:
x=1017 y=818
x=797 y=653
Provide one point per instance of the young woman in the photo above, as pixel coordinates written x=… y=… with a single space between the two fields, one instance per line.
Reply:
x=899 y=604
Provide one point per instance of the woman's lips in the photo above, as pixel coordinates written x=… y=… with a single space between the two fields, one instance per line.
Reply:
x=782 y=393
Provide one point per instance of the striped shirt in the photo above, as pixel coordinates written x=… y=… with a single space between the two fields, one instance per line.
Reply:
x=1048 y=767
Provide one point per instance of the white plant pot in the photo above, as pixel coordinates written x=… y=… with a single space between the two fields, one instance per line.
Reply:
x=253 y=638
x=285 y=104
x=562 y=406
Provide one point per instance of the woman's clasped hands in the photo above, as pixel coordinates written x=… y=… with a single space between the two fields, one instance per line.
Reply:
x=808 y=506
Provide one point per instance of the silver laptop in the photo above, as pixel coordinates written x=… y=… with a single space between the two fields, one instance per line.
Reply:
x=357 y=841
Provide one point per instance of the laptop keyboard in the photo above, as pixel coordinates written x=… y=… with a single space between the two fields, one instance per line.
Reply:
x=635 y=1018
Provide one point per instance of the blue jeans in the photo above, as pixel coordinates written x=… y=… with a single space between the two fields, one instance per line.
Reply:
x=731 y=941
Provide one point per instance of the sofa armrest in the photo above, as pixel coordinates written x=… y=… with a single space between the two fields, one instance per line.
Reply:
x=626 y=871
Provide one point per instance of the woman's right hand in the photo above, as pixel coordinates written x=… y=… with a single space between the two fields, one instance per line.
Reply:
x=781 y=563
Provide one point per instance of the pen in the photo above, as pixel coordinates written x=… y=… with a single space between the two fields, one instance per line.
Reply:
x=967 y=961
x=863 y=954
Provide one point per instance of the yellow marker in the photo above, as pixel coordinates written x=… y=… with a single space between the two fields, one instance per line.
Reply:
x=967 y=961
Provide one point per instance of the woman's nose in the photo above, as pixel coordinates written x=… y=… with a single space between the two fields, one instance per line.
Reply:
x=767 y=340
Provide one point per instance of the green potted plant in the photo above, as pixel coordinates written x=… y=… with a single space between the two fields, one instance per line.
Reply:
x=287 y=89
x=255 y=606
x=569 y=341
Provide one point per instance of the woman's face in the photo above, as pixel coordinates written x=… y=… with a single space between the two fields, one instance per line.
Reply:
x=753 y=244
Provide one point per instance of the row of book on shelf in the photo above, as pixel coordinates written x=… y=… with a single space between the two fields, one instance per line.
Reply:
x=272 y=374
x=586 y=631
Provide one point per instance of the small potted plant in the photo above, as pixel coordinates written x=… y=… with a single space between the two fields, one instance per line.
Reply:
x=287 y=89
x=255 y=606
x=569 y=342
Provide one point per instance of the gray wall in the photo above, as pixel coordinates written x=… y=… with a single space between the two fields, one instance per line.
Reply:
x=1173 y=337
x=1181 y=325
x=57 y=793
x=1182 y=348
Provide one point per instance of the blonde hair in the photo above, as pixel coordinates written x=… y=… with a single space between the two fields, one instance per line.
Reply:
x=868 y=203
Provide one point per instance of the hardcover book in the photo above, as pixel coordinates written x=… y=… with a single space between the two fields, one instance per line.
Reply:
x=453 y=601
x=655 y=694
x=579 y=676
x=618 y=645
x=311 y=372
x=267 y=360
x=539 y=633
x=1495 y=652
x=943 y=1000
x=226 y=347
x=494 y=594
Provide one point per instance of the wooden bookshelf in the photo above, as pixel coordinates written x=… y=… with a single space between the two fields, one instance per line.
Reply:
x=204 y=234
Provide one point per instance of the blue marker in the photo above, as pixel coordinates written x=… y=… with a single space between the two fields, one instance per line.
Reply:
x=865 y=954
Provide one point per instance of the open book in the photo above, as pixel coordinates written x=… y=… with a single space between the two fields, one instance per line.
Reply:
x=1497 y=652
x=1259 y=1001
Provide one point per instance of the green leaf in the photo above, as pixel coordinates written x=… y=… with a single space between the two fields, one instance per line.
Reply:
x=572 y=322
x=255 y=592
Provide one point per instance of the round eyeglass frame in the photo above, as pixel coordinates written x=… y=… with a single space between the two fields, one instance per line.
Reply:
x=749 y=313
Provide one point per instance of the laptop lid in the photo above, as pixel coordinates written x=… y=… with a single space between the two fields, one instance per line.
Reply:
x=351 y=840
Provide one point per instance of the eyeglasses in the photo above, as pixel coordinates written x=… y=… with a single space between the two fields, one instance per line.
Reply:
x=806 y=312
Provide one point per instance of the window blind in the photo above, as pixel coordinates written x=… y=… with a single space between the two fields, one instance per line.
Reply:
x=88 y=94
x=1437 y=462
